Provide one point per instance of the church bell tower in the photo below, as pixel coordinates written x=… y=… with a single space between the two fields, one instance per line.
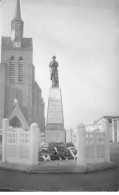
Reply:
x=17 y=78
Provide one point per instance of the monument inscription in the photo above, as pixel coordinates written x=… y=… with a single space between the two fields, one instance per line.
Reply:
x=55 y=112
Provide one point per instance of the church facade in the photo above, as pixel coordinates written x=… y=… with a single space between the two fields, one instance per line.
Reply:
x=19 y=92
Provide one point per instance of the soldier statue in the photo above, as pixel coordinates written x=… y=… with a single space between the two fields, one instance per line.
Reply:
x=54 y=72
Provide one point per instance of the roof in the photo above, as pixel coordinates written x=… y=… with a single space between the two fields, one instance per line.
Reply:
x=107 y=117
x=7 y=44
x=38 y=87
x=89 y=125
x=16 y=111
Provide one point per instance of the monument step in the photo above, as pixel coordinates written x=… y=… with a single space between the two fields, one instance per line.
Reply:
x=57 y=169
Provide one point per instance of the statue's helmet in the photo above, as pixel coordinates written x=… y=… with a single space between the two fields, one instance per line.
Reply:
x=54 y=57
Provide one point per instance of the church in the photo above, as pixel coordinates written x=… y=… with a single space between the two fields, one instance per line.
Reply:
x=20 y=95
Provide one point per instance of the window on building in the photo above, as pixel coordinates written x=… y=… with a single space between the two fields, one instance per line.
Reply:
x=20 y=70
x=12 y=69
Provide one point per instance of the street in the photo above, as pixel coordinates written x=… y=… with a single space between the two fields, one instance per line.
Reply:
x=107 y=180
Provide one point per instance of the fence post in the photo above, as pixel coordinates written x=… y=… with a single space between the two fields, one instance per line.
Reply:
x=5 y=125
x=95 y=143
x=34 y=142
x=107 y=143
x=117 y=130
x=113 y=137
x=80 y=144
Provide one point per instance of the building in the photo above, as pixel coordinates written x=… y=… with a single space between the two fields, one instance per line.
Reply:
x=98 y=125
x=113 y=126
x=21 y=97
x=90 y=127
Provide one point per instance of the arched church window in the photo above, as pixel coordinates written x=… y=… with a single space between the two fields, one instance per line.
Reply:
x=20 y=70
x=15 y=122
x=12 y=69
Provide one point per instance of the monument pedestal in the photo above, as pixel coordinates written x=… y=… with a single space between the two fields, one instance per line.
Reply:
x=55 y=131
x=55 y=136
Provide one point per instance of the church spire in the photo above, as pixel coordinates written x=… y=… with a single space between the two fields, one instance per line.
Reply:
x=18 y=12
x=17 y=25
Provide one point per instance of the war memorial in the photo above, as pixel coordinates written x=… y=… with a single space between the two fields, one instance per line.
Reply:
x=22 y=118
x=55 y=120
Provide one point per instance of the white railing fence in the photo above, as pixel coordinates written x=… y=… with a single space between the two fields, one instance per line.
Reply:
x=20 y=146
x=92 y=147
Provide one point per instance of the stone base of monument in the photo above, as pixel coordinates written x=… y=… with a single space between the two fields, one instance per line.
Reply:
x=55 y=131
x=57 y=167
x=55 y=136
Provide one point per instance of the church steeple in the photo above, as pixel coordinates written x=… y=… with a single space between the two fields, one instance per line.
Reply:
x=18 y=12
x=17 y=25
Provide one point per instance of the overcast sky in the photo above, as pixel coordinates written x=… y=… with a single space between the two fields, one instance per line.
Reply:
x=84 y=36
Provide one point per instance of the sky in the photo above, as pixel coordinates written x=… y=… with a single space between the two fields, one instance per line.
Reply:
x=84 y=36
